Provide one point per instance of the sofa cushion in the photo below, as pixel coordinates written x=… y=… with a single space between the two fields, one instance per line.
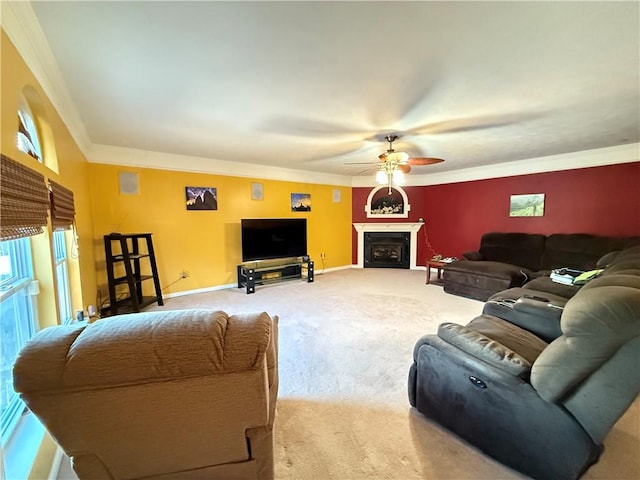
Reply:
x=545 y=284
x=503 y=271
x=522 y=249
x=481 y=279
x=579 y=250
x=513 y=294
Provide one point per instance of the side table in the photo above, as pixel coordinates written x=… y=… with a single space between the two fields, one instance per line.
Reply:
x=437 y=264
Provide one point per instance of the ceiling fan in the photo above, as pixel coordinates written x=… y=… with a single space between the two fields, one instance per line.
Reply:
x=393 y=165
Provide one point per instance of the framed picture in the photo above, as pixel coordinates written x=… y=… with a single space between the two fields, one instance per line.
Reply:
x=256 y=191
x=300 y=202
x=530 y=205
x=201 y=198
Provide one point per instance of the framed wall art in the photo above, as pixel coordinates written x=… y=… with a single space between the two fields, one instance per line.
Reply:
x=529 y=205
x=201 y=198
x=300 y=202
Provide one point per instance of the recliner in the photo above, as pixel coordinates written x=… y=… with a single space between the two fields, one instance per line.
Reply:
x=186 y=394
x=543 y=408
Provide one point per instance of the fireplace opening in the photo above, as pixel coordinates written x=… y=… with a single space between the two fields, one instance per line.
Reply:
x=386 y=249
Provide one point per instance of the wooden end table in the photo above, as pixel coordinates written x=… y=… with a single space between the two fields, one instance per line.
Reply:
x=437 y=264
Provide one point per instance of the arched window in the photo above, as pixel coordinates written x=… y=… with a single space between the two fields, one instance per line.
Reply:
x=28 y=140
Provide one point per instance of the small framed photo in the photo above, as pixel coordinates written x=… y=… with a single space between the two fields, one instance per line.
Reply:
x=530 y=205
x=256 y=191
x=300 y=202
x=201 y=198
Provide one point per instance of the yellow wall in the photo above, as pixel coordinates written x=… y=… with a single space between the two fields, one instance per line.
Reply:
x=207 y=243
x=66 y=165
x=61 y=153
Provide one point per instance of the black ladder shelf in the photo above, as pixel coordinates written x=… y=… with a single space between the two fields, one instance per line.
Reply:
x=128 y=257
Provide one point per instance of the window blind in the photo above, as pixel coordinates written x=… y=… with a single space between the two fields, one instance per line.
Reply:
x=62 y=206
x=23 y=200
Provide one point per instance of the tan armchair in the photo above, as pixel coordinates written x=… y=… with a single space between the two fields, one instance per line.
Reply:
x=185 y=394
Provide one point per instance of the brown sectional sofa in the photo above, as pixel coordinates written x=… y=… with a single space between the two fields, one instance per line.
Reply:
x=508 y=260
x=538 y=400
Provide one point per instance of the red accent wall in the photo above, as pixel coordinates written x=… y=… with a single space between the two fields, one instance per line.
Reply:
x=598 y=200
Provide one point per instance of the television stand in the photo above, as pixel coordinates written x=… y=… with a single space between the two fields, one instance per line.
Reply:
x=263 y=272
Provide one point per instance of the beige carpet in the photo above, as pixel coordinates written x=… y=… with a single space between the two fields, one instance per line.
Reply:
x=346 y=344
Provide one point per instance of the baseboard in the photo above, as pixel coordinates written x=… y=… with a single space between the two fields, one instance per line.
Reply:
x=235 y=285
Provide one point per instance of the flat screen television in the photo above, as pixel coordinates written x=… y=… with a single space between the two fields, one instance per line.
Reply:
x=268 y=238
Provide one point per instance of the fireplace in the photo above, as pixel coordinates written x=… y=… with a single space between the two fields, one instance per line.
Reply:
x=387 y=249
x=405 y=228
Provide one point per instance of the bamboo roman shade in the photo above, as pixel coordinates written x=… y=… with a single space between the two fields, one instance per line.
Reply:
x=62 y=206
x=24 y=200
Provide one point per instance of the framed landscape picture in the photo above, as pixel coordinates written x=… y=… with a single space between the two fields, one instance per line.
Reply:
x=529 y=205
x=201 y=198
x=300 y=202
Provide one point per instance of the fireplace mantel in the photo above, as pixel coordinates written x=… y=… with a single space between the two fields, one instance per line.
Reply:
x=412 y=228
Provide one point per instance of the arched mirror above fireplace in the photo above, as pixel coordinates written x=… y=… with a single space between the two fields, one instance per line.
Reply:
x=382 y=204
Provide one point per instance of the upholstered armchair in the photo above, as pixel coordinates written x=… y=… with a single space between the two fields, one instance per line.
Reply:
x=541 y=408
x=170 y=394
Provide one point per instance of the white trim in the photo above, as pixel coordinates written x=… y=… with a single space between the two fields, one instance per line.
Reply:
x=413 y=228
x=235 y=285
x=58 y=456
x=553 y=163
x=200 y=290
x=131 y=157
x=328 y=270
x=405 y=201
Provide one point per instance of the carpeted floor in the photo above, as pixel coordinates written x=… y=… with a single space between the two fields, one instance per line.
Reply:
x=346 y=344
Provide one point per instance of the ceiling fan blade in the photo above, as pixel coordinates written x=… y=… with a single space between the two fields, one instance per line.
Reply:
x=360 y=163
x=404 y=168
x=423 y=161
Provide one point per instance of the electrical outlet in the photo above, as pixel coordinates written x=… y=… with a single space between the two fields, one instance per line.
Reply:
x=322 y=256
x=185 y=273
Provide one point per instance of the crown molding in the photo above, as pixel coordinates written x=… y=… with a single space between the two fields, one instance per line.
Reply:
x=22 y=26
x=130 y=157
x=553 y=163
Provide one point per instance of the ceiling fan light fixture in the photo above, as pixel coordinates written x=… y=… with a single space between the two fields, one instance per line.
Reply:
x=398 y=176
x=397 y=157
x=381 y=177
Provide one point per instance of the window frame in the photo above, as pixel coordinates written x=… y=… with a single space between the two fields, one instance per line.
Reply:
x=27 y=137
x=63 y=287
x=12 y=288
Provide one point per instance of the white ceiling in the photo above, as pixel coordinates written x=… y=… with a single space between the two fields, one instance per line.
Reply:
x=315 y=85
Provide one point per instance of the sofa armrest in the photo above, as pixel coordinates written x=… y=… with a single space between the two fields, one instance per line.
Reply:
x=484 y=348
x=474 y=255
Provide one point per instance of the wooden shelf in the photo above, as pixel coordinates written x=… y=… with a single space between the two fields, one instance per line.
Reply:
x=130 y=255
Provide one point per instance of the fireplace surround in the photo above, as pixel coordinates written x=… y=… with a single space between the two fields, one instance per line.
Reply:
x=411 y=229
x=386 y=249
